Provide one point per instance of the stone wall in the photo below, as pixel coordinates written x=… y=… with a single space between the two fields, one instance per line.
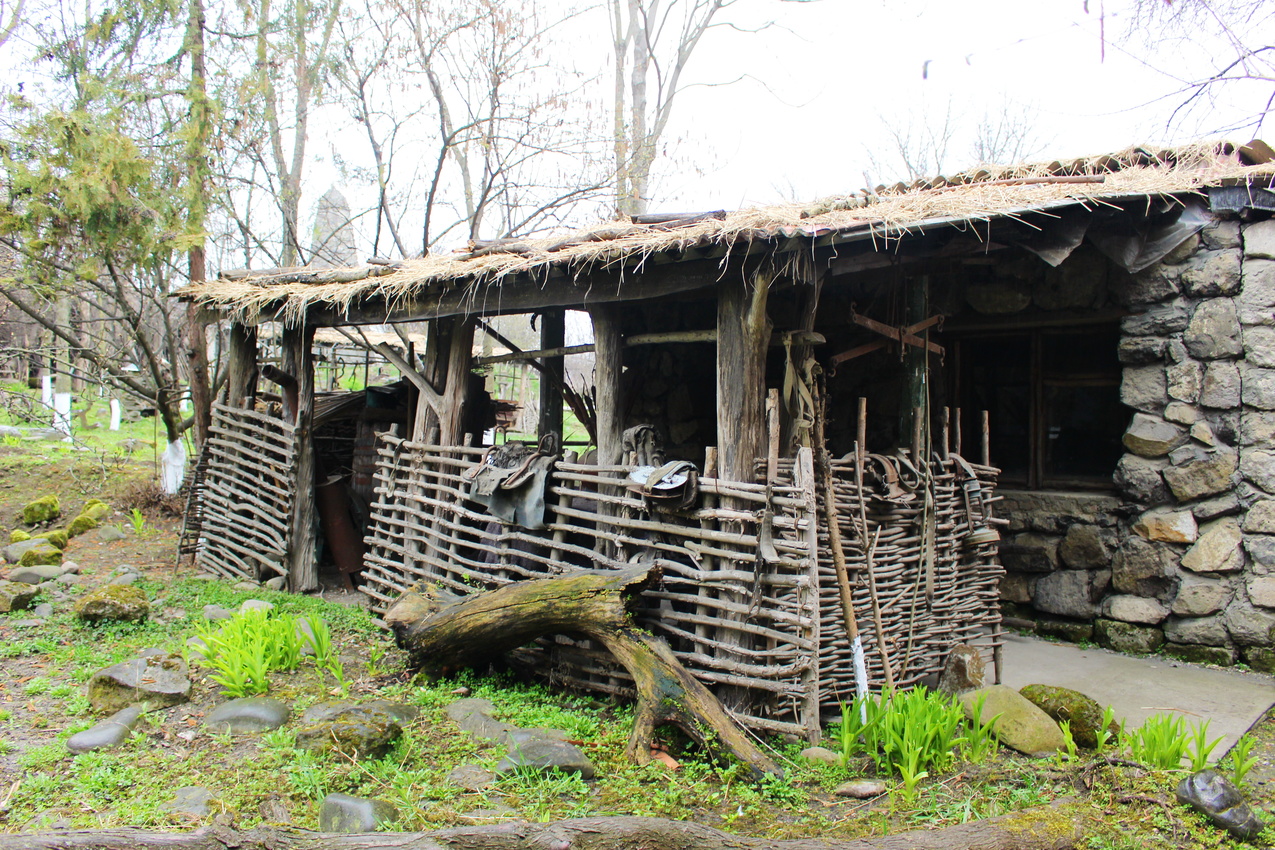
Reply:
x=1181 y=559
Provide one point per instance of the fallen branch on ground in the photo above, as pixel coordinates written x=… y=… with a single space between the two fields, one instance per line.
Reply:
x=1042 y=828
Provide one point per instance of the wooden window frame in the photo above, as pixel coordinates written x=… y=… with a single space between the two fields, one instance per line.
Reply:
x=1038 y=413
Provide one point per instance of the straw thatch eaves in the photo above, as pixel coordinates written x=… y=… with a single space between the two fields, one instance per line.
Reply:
x=594 y=264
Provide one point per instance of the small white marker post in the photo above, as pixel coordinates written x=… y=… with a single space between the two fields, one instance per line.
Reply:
x=115 y=414
x=62 y=414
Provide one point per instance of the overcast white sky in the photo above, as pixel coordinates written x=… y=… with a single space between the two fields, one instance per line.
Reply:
x=821 y=90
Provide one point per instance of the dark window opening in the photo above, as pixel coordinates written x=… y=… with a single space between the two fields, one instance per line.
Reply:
x=1053 y=402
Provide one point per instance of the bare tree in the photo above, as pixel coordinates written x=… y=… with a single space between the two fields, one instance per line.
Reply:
x=928 y=142
x=1244 y=67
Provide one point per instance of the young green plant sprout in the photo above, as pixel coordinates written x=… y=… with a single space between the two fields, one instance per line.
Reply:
x=1069 y=740
x=1104 y=736
x=1201 y=746
x=325 y=656
x=247 y=648
x=138 y=521
x=1241 y=761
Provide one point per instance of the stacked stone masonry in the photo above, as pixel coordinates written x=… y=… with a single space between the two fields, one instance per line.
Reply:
x=1181 y=557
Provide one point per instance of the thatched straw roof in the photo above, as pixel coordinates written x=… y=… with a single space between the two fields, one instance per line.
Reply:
x=981 y=195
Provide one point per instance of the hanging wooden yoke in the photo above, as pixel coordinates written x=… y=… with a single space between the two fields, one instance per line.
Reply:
x=901 y=336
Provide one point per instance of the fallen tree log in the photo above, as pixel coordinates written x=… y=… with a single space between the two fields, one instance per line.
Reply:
x=1042 y=828
x=442 y=633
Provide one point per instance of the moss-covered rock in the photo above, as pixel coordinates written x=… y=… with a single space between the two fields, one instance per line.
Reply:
x=113 y=603
x=18 y=535
x=44 y=509
x=360 y=731
x=1260 y=658
x=57 y=537
x=81 y=524
x=94 y=511
x=1194 y=653
x=42 y=555
x=1084 y=714
x=15 y=596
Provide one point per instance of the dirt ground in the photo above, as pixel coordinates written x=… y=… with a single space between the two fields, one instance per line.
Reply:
x=45 y=666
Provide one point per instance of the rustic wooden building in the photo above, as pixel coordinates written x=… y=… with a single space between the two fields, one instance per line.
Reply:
x=1105 y=324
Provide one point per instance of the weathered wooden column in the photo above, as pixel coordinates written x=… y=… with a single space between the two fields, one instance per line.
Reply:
x=298 y=361
x=460 y=356
x=241 y=366
x=916 y=361
x=743 y=334
x=608 y=368
x=553 y=334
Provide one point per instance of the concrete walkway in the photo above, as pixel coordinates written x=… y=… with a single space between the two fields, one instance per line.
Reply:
x=1231 y=700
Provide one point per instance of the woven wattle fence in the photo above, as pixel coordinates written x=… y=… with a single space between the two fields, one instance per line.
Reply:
x=747 y=598
x=246 y=494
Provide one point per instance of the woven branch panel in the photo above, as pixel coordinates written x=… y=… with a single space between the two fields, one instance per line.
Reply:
x=743 y=623
x=247 y=494
x=764 y=630
x=929 y=603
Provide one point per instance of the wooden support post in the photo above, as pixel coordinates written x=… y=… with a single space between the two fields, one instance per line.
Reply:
x=303 y=568
x=553 y=334
x=916 y=372
x=241 y=368
x=608 y=368
x=459 y=355
x=743 y=333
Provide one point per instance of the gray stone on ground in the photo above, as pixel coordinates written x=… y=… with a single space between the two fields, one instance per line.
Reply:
x=158 y=682
x=70 y=567
x=1084 y=714
x=402 y=712
x=361 y=731
x=1218 y=798
x=346 y=814
x=471 y=777
x=277 y=583
x=249 y=715
x=216 y=612
x=964 y=670
x=473 y=715
x=44 y=610
x=111 y=534
x=820 y=754
x=861 y=789
x=36 y=574
x=113 y=603
x=256 y=605
x=124 y=579
x=111 y=732
x=1020 y=725
x=14 y=551
x=245 y=585
x=543 y=754
x=192 y=801
x=16 y=596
